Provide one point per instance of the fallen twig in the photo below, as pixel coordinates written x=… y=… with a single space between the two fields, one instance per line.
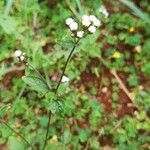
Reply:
x=123 y=87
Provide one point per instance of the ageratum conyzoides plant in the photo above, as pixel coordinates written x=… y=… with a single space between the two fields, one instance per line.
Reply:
x=79 y=30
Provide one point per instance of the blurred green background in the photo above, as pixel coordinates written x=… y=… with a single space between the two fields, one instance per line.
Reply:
x=97 y=113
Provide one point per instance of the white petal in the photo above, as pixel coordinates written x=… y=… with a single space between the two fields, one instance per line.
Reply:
x=92 y=29
x=73 y=26
x=18 y=53
x=22 y=58
x=104 y=11
x=85 y=17
x=80 y=34
x=96 y=23
x=85 y=22
x=65 y=79
x=93 y=18
x=69 y=21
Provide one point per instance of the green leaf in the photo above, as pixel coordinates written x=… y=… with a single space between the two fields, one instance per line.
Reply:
x=66 y=136
x=56 y=106
x=8 y=24
x=146 y=68
x=35 y=83
x=133 y=40
x=54 y=146
x=133 y=80
x=15 y=144
x=63 y=88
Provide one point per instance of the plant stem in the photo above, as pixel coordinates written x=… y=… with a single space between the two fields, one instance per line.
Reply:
x=62 y=74
x=23 y=138
x=65 y=66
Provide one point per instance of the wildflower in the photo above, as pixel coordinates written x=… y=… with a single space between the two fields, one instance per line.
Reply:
x=132 y=29
x=65 y=79
x=85 y=17
x=92 y=29
x=92 y=18
x=20 y=55
x=104 y=11
x=116 y=55
x=90 y=22
x=69 y=21
x=96 y=23
x=80 y=34
x=73 y=26
x=86 y=22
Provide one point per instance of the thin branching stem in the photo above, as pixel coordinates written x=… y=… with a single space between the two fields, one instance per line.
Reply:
x=58 y=85
x=17 y=133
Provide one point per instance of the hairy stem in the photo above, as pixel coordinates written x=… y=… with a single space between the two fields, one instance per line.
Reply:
x=62 y=74
x=21 y=136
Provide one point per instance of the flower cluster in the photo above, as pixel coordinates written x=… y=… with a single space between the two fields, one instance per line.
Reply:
x=91 y=22
x=89 y=25
x=20 y=55
x=104 y=11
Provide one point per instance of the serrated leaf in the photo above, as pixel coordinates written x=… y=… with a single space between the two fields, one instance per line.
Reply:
x=35 y=83
x=56 y=106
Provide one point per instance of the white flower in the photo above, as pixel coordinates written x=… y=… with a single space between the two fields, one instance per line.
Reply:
x=69 y=21
x=106 y=14
x=22 y=57
x=73 y=26
x=65 y=79
x=104 y=11
x=96 y=23
x=92 y=18
x=92 y=29
x=80 y=34
x=18 y=53
x=85 y=17
x=86 y=22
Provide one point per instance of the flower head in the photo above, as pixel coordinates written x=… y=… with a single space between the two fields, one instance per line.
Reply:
x=80 y=34
x=96 y=23
x=85 y=17
x=19 y=55
x=69 y=21
x=73 y=26
x=92 y=29
x=65 y=79
x=86 y=22
x=132 y=29
x=116 y=55
x=104 y=11
x=92 y=18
